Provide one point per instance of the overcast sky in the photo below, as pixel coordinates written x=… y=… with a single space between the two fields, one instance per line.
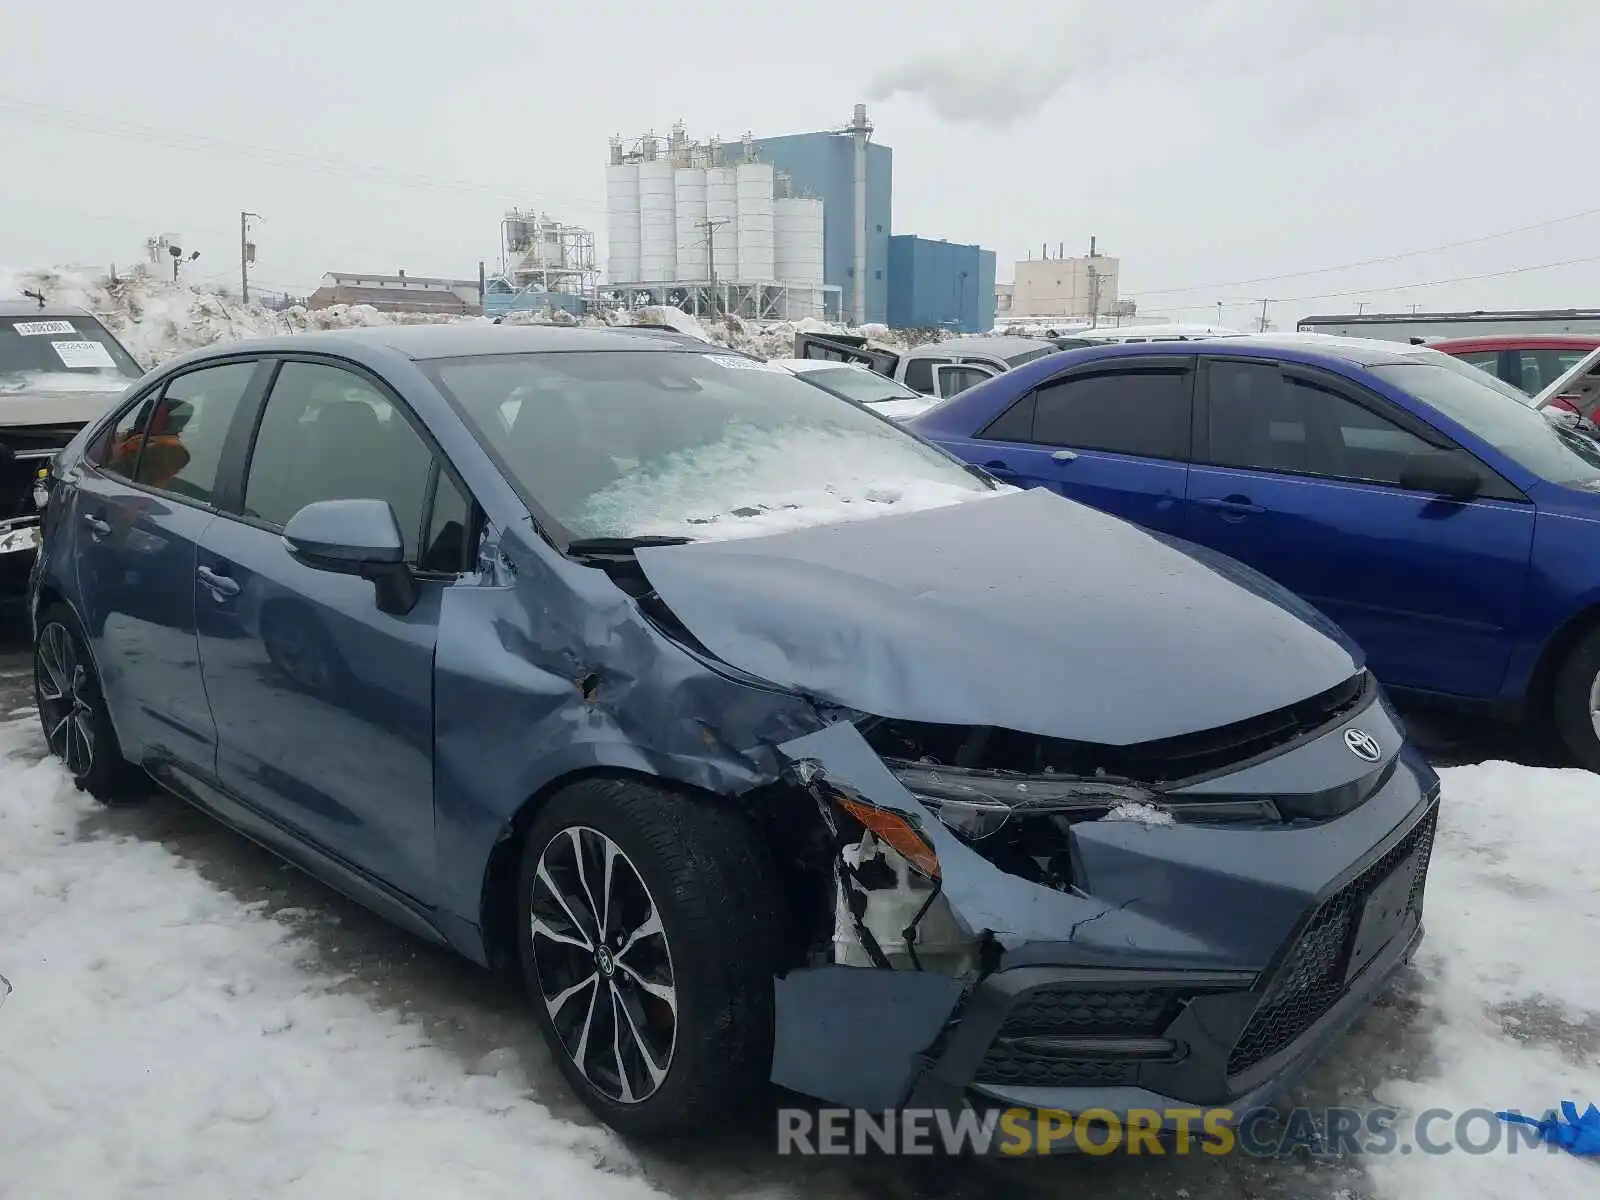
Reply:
x=1208 y=144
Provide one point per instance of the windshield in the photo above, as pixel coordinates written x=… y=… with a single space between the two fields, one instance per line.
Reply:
x=1500 y=415
x=701 y=445
x=864 y=387
x=61 y=354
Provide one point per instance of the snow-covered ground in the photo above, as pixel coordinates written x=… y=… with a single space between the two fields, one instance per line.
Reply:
x=172 y=1037
x=157 y=319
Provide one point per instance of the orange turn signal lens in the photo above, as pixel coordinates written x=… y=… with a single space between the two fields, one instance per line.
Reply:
x=895 y=832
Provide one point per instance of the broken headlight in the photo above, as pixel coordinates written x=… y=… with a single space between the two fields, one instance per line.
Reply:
x=979 y=804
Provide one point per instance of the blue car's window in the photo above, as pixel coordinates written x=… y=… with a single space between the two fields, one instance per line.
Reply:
x=1261 y=420
x=328 y=434
x=174 y=441
x=1142 y=412
x=704 y=445
x=1506 y=423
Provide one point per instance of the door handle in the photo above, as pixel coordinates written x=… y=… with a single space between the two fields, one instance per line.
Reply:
x=221 y=586
x=1232 y=505
x=1065 y=456
x=96 y=526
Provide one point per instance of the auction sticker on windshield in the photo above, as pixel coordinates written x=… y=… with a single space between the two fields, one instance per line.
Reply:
x=37 y=328
x=76 y=355
x=735 y=363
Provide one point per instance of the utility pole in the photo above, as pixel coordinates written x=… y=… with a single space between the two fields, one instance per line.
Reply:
x=1264 y=304
x=1094 y=287
x=1361 y=306
x=1219 y=314
x=247 y=254
x=711 y=227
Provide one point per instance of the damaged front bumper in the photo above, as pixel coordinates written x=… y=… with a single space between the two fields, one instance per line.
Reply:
x=1190 y=965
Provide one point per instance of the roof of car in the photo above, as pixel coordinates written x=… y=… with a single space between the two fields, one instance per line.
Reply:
x=30 y=308
x=459 y=340
x=995 y=347
x=1306 y=347
x=1526 y=341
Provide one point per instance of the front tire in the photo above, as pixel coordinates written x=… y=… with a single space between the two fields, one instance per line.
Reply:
x=72 y=709
x=647 y=930
x=1576 y=702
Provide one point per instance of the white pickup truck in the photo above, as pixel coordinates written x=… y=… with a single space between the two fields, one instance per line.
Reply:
x=937 y=369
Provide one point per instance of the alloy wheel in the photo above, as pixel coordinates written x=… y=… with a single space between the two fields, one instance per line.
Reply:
x=65 y=700
x=603 y=963
x=1594 y=705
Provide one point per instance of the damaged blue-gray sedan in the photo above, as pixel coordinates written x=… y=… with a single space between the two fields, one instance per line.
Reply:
x=766 y=740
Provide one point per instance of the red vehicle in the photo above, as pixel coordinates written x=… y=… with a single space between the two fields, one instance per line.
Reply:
x=1529 y=362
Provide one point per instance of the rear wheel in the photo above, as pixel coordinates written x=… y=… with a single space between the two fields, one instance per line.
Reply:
x=72 y=709
x=647 y=932
x=1576 y=701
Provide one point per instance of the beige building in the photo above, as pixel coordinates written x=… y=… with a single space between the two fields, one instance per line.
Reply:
x=1060 y=287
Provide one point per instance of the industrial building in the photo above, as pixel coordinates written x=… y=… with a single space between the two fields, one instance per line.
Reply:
x=1068 y=289
x=399 y=293
x=940 y=285
x=712 y=228
x=794 y=226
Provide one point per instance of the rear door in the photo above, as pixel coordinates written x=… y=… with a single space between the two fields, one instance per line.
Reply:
x=324 y=703
x=1298 y=474
x=139 y=508
x=1114 y=434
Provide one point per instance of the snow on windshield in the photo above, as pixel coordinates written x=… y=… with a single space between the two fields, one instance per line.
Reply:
x=759 y=480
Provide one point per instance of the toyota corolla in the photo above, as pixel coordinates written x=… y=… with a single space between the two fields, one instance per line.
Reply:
x=770 y=743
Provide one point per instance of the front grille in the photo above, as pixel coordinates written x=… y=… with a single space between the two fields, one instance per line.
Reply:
x=17 y=474
x=1311 y=980
x=1058 y=1010
x=1006 y=1065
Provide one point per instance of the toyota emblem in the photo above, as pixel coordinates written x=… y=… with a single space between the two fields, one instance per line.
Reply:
x=1363 y=745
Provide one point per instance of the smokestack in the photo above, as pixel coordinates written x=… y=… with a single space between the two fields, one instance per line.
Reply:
x=860 y=127
x=1091 y=246
x=1061 y=250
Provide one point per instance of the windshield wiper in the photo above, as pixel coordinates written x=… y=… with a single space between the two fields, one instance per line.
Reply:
x=622 y=545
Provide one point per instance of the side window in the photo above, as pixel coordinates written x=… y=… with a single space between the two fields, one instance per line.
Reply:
x=444 y=544
x=1143 y=412
x=328 y=434
x=1261 y=420
x=1541 y=368
x=118 y=450
x=919 y=374
x=1484 y=360
x=960 y=378
x=1015 y=424
x=174 y=441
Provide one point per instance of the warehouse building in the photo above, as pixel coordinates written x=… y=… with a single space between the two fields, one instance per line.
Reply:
x=794 y=226
x=940 y=285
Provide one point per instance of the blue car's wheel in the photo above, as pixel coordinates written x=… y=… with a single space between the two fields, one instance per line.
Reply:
x=653 y=984
x=72 y=709
x=1576 y=701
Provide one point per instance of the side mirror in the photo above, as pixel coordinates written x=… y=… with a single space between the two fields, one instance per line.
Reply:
x=1443 y=473
x=355 y=537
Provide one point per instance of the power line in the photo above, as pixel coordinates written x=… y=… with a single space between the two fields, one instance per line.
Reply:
x=1371 y=262
x=275 y=155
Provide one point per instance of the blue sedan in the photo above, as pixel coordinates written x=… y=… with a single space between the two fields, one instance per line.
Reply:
x=728 y=713
x=1418 y=502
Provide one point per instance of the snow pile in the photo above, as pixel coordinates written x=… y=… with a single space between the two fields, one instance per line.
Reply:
x=162 y=1040
x=1511 y=980
x=1139 y=814
x=158 y=319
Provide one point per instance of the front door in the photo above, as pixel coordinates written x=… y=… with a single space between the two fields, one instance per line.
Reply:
x=1112 y=435
x=323 y=703
x=140 y=506
x=1299 y=476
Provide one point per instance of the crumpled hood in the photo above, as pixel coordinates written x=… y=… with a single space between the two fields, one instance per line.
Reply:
x=55 y=408
x=1022 y=610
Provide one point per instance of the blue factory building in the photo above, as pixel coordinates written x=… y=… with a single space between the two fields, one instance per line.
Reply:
x=940 y=285
x=822 y=165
